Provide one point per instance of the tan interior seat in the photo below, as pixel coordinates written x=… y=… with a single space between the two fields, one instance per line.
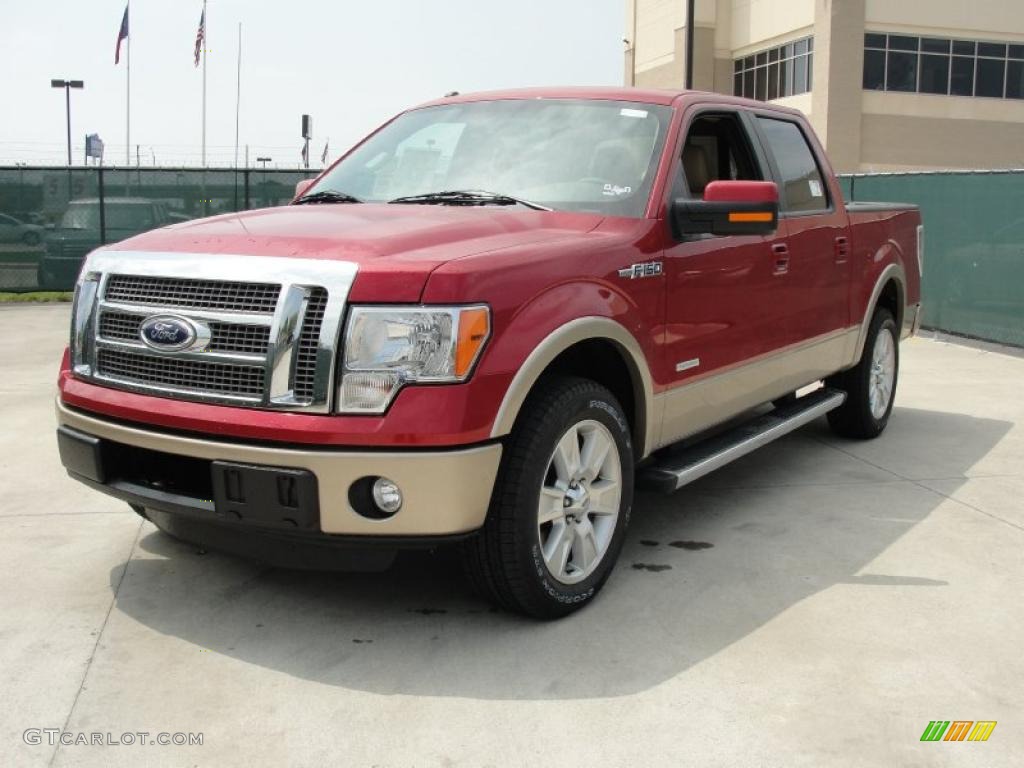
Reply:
x=696 y=168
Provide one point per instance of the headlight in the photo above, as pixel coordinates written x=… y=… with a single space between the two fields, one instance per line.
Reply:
x=386 y=347
x=83 y=312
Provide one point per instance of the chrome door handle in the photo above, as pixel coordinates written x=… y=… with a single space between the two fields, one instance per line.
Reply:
x=842 y=249
x=781 y=253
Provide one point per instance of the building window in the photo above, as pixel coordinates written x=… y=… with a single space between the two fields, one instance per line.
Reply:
x=776 y=72
x=910 y=64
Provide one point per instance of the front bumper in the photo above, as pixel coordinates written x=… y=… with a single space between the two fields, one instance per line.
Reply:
x=445 y=492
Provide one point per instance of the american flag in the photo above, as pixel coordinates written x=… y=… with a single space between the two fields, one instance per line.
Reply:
x=200 y=35
x=122 y=34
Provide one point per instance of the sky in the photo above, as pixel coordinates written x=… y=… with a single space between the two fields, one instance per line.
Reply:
x=351 y=65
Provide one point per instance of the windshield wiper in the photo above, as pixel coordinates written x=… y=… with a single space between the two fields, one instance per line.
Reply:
x=326 y=197
x=467 y=197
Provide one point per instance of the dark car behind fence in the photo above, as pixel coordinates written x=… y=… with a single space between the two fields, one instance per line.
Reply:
x=51 y=217
x=974 y=227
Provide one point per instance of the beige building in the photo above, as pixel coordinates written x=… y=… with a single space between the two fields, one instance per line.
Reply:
x=888 y=84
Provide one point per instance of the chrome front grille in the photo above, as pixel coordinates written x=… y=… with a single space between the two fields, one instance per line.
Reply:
x=225 y=337
x=120 y=326
x=195 y=294
x=269 y=342
x=181 y=375
x=305 y=359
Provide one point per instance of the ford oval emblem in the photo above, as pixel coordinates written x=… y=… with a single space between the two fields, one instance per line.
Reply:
x=167 y=333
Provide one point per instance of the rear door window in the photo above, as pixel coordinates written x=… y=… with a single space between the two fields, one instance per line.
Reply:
x=802 y=187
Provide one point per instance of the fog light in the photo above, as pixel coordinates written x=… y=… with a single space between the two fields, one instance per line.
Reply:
x=387 y=495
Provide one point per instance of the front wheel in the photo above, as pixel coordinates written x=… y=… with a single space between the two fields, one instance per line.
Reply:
x=561 y=503
x=870 y=386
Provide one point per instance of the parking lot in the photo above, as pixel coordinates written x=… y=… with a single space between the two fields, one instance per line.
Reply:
x=816 y=603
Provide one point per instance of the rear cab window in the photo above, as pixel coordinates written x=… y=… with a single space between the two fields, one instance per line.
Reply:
x=802 y=187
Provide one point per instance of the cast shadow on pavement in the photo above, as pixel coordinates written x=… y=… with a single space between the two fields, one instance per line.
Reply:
x=701 y=570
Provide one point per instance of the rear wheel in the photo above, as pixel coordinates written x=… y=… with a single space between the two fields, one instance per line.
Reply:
x=870 y=386
x=561 y=503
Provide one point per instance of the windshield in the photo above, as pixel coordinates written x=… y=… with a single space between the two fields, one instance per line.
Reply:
x=573 y=155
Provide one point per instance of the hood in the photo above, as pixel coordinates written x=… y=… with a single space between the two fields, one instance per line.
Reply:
x=395 y=246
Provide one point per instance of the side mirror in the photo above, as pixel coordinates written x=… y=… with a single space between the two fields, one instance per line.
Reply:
x=729 y=208
x=301 y=187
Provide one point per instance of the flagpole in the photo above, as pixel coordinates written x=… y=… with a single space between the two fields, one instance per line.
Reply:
x=128 y=91
x=206 y=27
x=238 y=91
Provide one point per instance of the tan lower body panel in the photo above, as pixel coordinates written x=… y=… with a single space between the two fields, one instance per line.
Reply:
x=444 y=492
x=694 y=407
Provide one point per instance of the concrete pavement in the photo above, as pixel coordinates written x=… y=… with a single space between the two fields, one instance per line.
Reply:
x=816 y=603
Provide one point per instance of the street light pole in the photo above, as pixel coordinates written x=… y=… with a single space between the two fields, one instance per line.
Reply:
x=67 y=114
x=689 y=43
x=67 y=85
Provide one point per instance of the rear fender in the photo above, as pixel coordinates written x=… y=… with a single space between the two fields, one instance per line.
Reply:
x=893 y=271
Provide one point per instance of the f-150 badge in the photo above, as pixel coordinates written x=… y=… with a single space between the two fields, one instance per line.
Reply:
x=644 y=269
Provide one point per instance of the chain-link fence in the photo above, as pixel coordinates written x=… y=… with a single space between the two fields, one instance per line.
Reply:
x=51 y=217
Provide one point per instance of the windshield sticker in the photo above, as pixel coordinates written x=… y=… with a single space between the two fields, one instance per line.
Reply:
x=614 y=190
x=633 y=112
x=815 y=186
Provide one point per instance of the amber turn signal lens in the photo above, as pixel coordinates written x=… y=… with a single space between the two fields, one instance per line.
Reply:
x=753 y=216
x=474 y=328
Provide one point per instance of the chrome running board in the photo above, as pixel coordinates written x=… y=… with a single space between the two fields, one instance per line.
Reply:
x=698 y=460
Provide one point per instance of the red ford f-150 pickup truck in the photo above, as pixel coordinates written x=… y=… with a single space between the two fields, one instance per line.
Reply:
x=480 y=326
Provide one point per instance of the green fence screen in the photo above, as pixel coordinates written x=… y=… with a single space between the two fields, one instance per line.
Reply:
x=973 y=245
x=51 y=217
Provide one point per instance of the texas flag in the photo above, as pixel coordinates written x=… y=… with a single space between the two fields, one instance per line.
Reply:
x=121 y=35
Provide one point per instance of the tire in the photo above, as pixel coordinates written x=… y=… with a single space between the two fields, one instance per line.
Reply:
x=550 y=569
x=870 y=386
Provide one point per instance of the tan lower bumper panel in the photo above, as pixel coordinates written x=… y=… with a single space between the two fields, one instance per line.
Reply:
x=444 y=492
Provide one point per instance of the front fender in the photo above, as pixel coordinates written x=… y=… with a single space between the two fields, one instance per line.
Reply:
x=545 y=300
x=530 y=336
x=561 y=339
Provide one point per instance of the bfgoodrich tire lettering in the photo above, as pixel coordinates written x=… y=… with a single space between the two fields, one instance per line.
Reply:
x=566 y=476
